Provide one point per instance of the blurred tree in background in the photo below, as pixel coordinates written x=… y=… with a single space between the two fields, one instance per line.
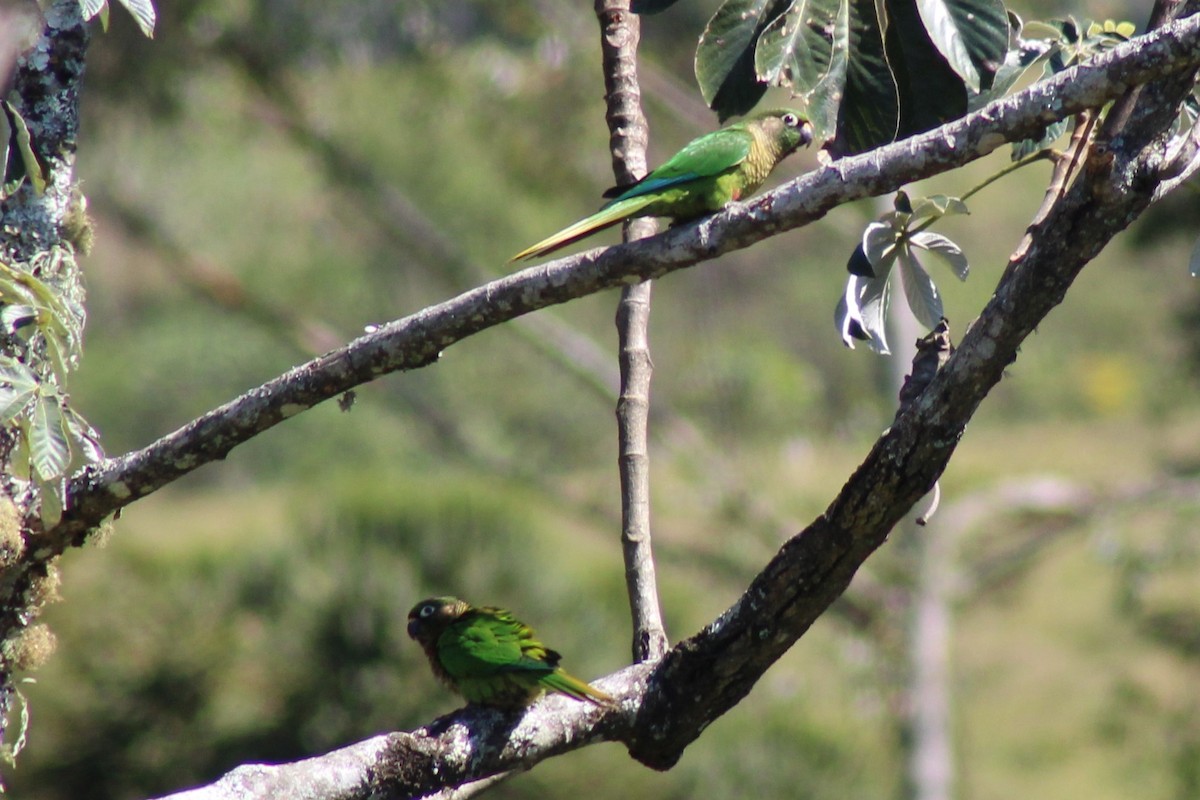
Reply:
x=267 y=179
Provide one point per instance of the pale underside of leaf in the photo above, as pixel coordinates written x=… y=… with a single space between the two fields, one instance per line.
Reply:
x=945 y=249
x=143 y=12
x=865 y=304
x=919 y=289
x=91 y=8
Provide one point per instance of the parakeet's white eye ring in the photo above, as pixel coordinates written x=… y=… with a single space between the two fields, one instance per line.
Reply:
x=791 y=120
x=427 y=611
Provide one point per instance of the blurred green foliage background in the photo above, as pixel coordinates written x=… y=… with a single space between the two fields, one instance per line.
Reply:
x=268 y=178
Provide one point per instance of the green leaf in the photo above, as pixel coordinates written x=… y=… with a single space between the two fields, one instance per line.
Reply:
x=937 y=206
x=971 y=34
x=17 y=375
x=919 y=289
x=862 y=312
x=1020 y=60
x=879 y=244
x=946 y=251
x=29 y=164
x=13 y=318
x=59 y=322
x=869 y=114
x=13 y=402
x=19 y=385
x=824 y=101
x=859 y=264
x=797 y=48
x=85 y=441
x=51 y=494
x=143 y=14
x=890 y=245
x=18 y=460
x=931 y=93
x=725 y=56
x=48 y=445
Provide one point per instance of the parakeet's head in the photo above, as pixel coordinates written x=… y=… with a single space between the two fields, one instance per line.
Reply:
x=790 y=128
x=430 y=617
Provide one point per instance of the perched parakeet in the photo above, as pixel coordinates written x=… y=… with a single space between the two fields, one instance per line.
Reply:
x=703 y=177
x=489 y=657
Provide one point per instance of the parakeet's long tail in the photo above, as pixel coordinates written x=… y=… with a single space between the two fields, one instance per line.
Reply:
x=571 y=686
x=604 y=218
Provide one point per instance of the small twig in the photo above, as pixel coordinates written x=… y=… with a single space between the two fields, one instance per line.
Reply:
x=620 y=32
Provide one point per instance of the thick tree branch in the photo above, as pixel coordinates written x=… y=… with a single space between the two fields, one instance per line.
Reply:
x=459 y=749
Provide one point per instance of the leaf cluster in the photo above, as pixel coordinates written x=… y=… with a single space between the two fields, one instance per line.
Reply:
x=51 y=438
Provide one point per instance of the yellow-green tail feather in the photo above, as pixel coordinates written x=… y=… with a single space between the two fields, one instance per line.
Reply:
x=560 y=681
x=604 y=218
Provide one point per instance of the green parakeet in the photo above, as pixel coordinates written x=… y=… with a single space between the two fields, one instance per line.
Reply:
x=703 y=177
x=489 y=657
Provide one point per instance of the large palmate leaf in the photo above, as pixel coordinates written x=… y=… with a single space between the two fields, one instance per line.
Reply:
x=825 y=98
x=972 y=35
x=725 y=56
x=870 y=111
x=797 y=47
x=931 y=92
x=868 y=71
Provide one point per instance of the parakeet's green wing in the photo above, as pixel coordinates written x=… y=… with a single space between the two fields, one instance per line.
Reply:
x=483 y=645
x=705 y=157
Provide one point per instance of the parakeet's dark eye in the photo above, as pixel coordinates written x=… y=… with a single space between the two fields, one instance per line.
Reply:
x=427 y=611
x=791 y=120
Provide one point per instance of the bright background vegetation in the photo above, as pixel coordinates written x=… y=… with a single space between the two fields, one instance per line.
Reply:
x=260 y=175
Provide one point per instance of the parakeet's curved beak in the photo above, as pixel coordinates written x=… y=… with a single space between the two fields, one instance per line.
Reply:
x=413 y=626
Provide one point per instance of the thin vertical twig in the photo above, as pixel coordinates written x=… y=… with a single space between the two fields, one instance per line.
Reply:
x=620 y=32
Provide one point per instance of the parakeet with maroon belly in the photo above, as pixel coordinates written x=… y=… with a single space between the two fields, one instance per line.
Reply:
x=705 y=176
x=490 y=657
